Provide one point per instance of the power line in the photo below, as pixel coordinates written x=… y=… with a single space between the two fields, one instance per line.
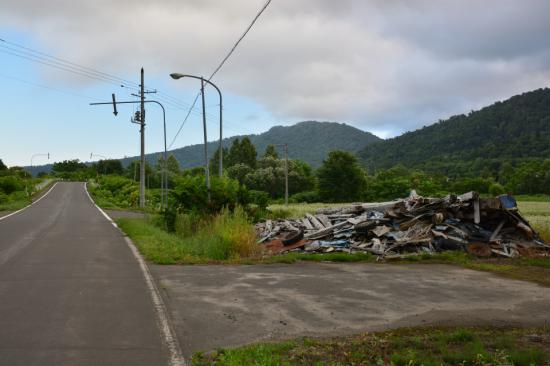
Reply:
x=221 y=65
x=73 y=64
x=48 y=87
x=46 y=59
x=240 y=38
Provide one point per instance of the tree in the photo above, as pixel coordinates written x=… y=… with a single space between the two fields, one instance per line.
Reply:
x=173 y=165
x=110 y=166
x=69 y=166
x=2 y=165
x=270 y=151
x=242 y=152
x=248 y=153
x=341 y=179
x=239 y=172
x=215 y=160
x=233 y=157
x=270 y=177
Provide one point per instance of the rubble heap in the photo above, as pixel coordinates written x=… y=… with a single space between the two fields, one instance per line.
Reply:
x=480 y=226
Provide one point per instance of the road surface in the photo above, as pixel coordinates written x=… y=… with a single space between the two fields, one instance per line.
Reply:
x=225 y=306
x=71 y=291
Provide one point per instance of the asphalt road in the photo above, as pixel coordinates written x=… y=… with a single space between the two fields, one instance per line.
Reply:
x=71 y=291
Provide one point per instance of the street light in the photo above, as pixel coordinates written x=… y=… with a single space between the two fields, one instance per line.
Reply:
x=177 y=76
x=104 y=165
x=35 y=155
x=164 y=184
x=32 y=157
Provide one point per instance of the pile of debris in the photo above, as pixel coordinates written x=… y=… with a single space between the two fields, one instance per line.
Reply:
x=480 y=226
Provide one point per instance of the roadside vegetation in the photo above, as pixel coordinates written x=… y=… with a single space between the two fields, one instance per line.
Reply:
x=401 y=347
x=194 y=229
x=223 y=237
x=18 y=187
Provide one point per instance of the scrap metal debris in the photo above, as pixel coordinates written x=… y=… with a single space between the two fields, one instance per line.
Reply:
x=415 y=225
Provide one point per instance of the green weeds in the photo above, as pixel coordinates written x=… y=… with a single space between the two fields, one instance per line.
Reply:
x=227 y=236
x=407 y=347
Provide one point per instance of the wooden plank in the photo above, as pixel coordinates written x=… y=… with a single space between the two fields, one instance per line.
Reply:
x=477 y=214
x=497 y=231
x=307 y=224
x=324 y=220
x=316 y=223
x=325 y=231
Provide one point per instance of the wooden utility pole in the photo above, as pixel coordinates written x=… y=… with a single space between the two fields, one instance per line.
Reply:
x=142 y=131
x=286 y=174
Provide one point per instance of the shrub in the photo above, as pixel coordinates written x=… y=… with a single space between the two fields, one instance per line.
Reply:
x=120 y=191
x=190 y=194
x=259 y=198
x=305 y=197
x=11 y=184
x=496 y=189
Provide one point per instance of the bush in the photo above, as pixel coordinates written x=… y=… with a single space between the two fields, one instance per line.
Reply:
x=191 y=195
x=496 y=189
x=305 y=197
x=11 y=184
x=259 y=198
x=120 y=191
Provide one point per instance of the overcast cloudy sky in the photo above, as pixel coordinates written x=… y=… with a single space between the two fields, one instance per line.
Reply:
x=382 y=66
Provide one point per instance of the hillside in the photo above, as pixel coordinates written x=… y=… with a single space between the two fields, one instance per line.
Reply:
x=309 y=141
x=513 y=130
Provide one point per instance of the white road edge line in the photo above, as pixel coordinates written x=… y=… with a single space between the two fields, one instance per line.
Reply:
x=24 y=208
x=176 y=356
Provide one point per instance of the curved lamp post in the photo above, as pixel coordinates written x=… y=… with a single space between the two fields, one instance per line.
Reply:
x=104 y=158
x=177 y=76
x=164 y=185
x=35 y=155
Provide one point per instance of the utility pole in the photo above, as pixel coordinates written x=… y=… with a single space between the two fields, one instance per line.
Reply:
x=206 y=168
x=286 y=174
x=285 y=148
x=142 y=131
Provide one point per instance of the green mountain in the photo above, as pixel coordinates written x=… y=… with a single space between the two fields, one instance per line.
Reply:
x=514 y=130
x=309 y=141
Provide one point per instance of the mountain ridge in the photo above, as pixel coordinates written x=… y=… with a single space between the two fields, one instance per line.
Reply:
x=320 y=138
x=509 y=130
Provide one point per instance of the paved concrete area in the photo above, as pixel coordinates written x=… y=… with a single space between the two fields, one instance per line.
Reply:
x=71 y=291
x=221 y=306
x=117 y=214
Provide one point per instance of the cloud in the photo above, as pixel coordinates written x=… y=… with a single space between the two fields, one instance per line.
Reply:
x=385 y=66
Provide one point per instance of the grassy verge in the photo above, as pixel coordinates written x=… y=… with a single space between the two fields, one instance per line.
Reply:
x=20 y=198
x=226 y=237
x=410 y=346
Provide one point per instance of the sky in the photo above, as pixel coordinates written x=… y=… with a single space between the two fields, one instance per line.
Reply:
x=383 y=66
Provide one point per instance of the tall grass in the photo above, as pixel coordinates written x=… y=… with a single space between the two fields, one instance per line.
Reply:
x=227 y=236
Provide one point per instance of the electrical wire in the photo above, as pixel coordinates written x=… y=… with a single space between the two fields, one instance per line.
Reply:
x=30 y=54
x=48 y=87
x=258 y=14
